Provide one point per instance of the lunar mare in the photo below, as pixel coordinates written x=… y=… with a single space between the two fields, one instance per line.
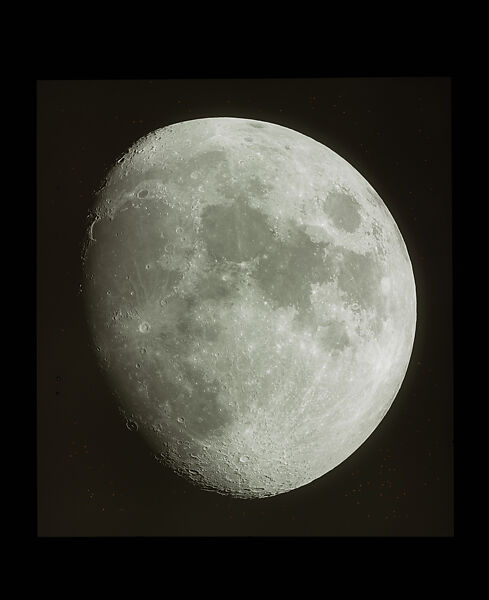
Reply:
x=252 y=301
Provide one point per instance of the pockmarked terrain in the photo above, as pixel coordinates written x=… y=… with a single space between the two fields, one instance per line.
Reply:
x=251 y=300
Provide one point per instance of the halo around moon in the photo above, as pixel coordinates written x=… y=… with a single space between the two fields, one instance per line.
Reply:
x=252 y=301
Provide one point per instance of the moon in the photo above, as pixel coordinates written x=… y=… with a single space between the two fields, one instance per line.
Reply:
x=251 y=300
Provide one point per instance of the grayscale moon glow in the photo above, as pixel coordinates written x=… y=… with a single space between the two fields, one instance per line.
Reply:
x=252 y=302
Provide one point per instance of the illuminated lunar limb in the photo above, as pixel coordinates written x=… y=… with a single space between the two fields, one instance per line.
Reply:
x=253 y=300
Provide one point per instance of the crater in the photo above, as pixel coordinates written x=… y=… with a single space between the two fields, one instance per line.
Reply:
x=144 y=327
x=342 y=209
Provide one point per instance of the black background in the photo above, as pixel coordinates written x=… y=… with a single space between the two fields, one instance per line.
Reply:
x=96 y=478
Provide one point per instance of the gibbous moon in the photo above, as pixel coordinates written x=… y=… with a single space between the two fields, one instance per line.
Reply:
x=252 y=302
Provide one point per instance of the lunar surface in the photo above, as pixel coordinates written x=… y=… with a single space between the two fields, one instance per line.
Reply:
x=251 y=300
